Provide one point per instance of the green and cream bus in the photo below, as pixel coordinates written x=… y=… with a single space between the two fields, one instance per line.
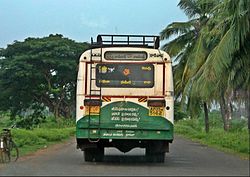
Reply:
x=125 y=97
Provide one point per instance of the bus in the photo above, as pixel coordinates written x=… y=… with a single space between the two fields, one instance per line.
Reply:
x=124 y=97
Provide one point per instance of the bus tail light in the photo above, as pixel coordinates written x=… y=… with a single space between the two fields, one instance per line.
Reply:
x=156 y=103
x=92 y=106
x=92 y=110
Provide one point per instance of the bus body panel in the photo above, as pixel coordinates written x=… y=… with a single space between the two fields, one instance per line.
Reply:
x=162 y=66
x=125 y=119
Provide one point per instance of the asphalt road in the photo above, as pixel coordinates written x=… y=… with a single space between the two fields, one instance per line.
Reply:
x=186 y=158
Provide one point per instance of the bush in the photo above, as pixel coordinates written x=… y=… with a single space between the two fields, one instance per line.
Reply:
x=32 y=140
x=54 y=134
x=51 y=122
x=26 y=138
x=237 y=124
x=39 y=134
x=236 y=140
x=28 y=122
x=178 y=113
x=5 y=121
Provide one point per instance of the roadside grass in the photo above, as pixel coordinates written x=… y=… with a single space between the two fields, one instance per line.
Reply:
x=235 y=141
x=31 y=140
x=43 y=135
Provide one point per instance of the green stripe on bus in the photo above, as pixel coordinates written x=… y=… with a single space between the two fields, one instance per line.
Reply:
x=126 y=120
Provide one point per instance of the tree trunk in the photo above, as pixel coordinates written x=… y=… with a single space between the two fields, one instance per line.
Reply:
x=224 y=113
x=248 y=107
x=66 y=112
x=56 y=111
x=206 y=117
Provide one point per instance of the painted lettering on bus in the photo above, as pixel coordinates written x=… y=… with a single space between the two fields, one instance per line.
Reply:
x=146 y=68
x=125 y=114
x=120 y=133
x=124 y=82
x=147 y=82
x=155 y=55
x=126 y=125
x=104 y=81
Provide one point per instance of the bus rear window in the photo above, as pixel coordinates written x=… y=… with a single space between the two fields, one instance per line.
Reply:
x=125 y=55
x=125 y=75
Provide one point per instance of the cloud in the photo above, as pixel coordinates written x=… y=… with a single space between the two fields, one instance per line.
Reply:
x=94 y=21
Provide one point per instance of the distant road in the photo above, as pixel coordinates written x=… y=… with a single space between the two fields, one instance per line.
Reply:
x=185 y=158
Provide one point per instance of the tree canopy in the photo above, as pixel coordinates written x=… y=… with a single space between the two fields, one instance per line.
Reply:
x=40 y=73
x=212 y=54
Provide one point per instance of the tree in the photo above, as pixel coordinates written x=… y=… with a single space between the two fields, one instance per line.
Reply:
x=228 y=63
x=212 y=50
x=190 y=50
x=40 y=71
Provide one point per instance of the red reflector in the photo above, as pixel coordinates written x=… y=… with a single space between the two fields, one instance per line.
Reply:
x=156 y=103
x=81 y=107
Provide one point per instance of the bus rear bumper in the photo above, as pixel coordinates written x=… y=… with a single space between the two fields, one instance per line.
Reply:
x=125 y=145
x=133 y=134
x=124 y=140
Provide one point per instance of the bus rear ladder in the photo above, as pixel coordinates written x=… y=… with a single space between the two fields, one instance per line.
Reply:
x=95 y=95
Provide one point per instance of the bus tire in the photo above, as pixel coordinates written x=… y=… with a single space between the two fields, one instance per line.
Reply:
x=99 y=154
x=160 y=157
x=155 y=155
x=149 y=155
x=88 y=155
x=149 y=158
x=94 y=154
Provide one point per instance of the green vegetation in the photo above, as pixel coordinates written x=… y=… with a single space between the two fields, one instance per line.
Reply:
x=234 y=141
x=38 y=138
x=211 y=66
x=210 y=52
x=38 y=78
x=211 y=56
x=47 y=133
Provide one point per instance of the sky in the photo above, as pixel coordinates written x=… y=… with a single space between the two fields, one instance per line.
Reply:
x=80 y=20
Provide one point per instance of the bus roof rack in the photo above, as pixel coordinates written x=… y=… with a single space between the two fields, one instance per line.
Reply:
x=145 y=41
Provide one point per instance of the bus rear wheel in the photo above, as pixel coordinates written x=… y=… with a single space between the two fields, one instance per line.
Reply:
x=158 y=157
x=94 y=154
x=155 y=152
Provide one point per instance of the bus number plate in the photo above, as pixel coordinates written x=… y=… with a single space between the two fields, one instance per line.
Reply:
x=92 y=110
x=156 y=111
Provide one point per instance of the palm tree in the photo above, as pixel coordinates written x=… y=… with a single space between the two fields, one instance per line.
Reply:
x=227 y=65
x=212 y=51
x=190 y=51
